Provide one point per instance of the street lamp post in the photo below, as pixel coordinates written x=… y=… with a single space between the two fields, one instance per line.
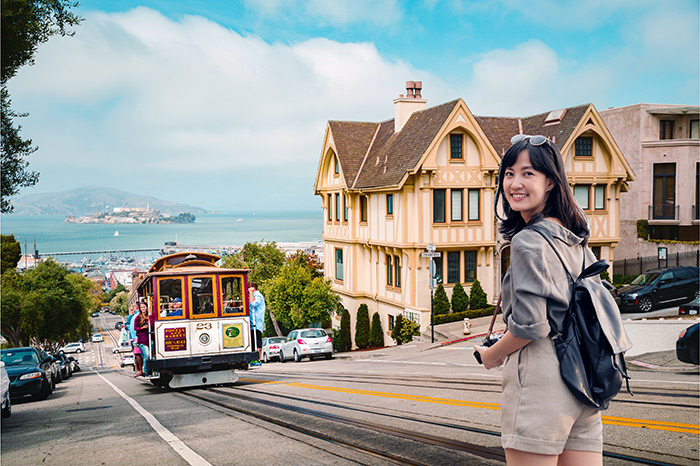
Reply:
x=431 y=252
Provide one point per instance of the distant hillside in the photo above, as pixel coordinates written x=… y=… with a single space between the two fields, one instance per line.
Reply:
x=93 y=200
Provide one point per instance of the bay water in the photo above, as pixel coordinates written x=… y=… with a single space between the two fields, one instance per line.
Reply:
x=53 y=235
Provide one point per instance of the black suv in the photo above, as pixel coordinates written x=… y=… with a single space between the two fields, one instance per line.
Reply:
x=659 y=287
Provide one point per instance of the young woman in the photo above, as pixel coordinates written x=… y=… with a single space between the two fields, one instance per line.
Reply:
x=141 y=327
x=542 y=422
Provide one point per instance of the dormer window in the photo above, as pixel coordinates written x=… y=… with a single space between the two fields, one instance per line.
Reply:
x=583 y=146
x=554 y=117
x=456 y=143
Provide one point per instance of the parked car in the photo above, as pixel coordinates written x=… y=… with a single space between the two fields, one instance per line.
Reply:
x=127 y=360
x=76 y=347
x=5 y=391
x=660 y=287
x=271 y=348
x=690 y=308
x=97 y=338
x=56 y=376
x=612 y=289
x=29 y=373
x=119 y=325
x=307 y=342
x=687 y=345
x=66 y=366
x=96 y=314
x=75 y=365
x=123 y=348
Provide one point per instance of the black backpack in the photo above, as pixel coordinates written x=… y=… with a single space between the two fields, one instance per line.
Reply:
x=588 y=365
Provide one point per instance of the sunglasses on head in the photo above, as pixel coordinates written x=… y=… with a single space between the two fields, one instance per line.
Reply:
x=534 y=140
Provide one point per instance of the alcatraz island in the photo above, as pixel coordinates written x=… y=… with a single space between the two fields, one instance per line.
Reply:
x=132 y=215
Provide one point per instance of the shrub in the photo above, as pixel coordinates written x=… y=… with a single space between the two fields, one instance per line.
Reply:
x=477 y=299
x=376 y=334
x=605 y=276
x=441 y=304
x=362 y=327
x=345 y=343
x=643 y=228
x=336 y=340
x=409 y=330
x=619 y=279
x=396 y=331
x=470 y=314
x=460 y=300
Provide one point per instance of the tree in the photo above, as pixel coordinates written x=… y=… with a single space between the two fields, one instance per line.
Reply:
x=376 y=334
x=345 y=340
x=311 y=262
x=478 y=299
x=25 y=25
x=265 y=260
x=46 y=305
x=10 y=253
x=362 y=327
x=297 y=299
x=112 y=293
x=441 y=304
x=120 y=303
x=396 y=332
x=460 y=300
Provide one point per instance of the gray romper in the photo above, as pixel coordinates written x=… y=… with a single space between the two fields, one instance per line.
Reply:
x=538 y=412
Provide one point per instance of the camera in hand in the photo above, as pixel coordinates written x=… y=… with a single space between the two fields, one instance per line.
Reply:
x=488 y=342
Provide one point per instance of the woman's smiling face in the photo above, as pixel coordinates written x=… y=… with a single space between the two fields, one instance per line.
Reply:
x=525 y=188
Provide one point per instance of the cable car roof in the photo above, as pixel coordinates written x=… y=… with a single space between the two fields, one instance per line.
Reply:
x=184 y=259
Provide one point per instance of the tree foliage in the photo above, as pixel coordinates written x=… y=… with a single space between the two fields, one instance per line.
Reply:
x=310 y=262
x=120 y=303
x=345 y=339
x=265 y=260
x=25 y=25
x=477 y=299
x=396 y=332
x=298 y=299
x=441 y=303
x=362 y=327
x=376 y=334
x=10 y=253
x=409 y=329
x=46 y=305
x=460 y=300
x=112 y=293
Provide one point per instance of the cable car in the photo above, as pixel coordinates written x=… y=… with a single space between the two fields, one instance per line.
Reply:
x=199 y=320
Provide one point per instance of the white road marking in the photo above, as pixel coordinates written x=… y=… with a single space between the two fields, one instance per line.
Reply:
x=175 y=443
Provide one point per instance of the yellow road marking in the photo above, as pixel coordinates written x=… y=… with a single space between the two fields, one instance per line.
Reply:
x=609 y=420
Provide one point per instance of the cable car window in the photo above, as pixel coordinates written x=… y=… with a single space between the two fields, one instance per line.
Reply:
x=202 y=292
x=232 y=295
x=170 y=297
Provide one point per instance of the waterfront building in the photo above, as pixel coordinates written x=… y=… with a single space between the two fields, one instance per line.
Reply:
x=428 y=175
x=662 y=144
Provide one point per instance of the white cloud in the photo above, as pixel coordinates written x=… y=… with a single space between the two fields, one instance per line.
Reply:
x=329 y=12
x=151 y=95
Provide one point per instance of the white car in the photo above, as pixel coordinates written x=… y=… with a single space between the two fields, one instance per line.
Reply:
x=127 y=360
x=5 y=391
x=96 y=338
x=271 y=348
x=306 y=343
x=76 y=347
x=123 y=348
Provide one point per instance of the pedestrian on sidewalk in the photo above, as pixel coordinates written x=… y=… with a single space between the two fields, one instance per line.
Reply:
x=257 y=320
x=542 y=422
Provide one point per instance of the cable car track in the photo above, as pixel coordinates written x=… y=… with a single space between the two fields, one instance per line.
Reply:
x=494 y=453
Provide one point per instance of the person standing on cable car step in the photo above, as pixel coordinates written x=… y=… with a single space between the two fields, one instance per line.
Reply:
x=257 y=319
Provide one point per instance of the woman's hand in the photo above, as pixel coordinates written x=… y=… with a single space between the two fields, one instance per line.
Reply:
x=488 y=357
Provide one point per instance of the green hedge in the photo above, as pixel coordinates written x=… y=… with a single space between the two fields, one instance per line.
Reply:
x=470 y=314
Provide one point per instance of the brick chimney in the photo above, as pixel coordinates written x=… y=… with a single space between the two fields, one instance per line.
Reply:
x=405 y=106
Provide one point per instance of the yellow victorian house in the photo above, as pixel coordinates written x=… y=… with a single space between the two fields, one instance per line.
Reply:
x=429 y=176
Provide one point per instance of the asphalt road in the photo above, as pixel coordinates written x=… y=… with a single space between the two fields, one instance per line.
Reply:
x=395 y=405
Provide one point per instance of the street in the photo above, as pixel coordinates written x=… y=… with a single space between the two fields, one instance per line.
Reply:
x=397 y=405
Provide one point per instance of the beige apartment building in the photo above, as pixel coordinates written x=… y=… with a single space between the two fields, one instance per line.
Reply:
x=429 y=175
x=662 y=145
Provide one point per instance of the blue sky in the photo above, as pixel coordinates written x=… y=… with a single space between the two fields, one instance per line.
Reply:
x=224 y=104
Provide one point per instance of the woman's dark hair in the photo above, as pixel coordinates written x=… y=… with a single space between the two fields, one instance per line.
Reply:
x=560 y=203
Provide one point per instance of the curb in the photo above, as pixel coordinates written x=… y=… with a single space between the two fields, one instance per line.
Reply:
x=653 y=367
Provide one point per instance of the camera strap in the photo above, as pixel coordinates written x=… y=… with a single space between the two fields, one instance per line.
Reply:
x=493 y=319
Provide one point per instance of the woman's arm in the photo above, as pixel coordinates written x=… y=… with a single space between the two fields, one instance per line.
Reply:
x=496 y=354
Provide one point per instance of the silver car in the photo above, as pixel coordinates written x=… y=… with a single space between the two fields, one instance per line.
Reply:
x=271 y=348
x=306 y=342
